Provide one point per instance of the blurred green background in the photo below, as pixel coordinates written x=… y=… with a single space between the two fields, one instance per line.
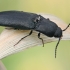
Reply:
x=39 y=58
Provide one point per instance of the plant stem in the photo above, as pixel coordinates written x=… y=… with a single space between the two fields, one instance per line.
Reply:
x=2 y=67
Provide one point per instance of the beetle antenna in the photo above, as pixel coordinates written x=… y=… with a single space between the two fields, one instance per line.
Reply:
x=57 y=46
x=59 y=40
x=66 y=27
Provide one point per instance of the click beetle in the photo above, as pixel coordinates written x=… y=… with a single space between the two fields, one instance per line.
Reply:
x=31 y=21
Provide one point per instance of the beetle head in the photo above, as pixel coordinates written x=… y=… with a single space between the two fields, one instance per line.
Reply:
x=58 y=32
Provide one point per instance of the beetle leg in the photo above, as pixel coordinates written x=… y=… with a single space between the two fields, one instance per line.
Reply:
x=9 y=28
x=41 y=39
x=24 y=37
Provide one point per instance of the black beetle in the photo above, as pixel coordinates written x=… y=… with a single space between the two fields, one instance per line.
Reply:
x=31 y=21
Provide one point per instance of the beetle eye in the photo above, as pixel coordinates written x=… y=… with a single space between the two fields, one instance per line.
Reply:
x=37 y=19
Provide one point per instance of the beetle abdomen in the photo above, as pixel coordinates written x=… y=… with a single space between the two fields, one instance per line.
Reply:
x=18 y=19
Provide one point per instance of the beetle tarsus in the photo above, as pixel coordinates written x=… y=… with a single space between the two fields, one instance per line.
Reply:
x=24 y=37
x=41 y=39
